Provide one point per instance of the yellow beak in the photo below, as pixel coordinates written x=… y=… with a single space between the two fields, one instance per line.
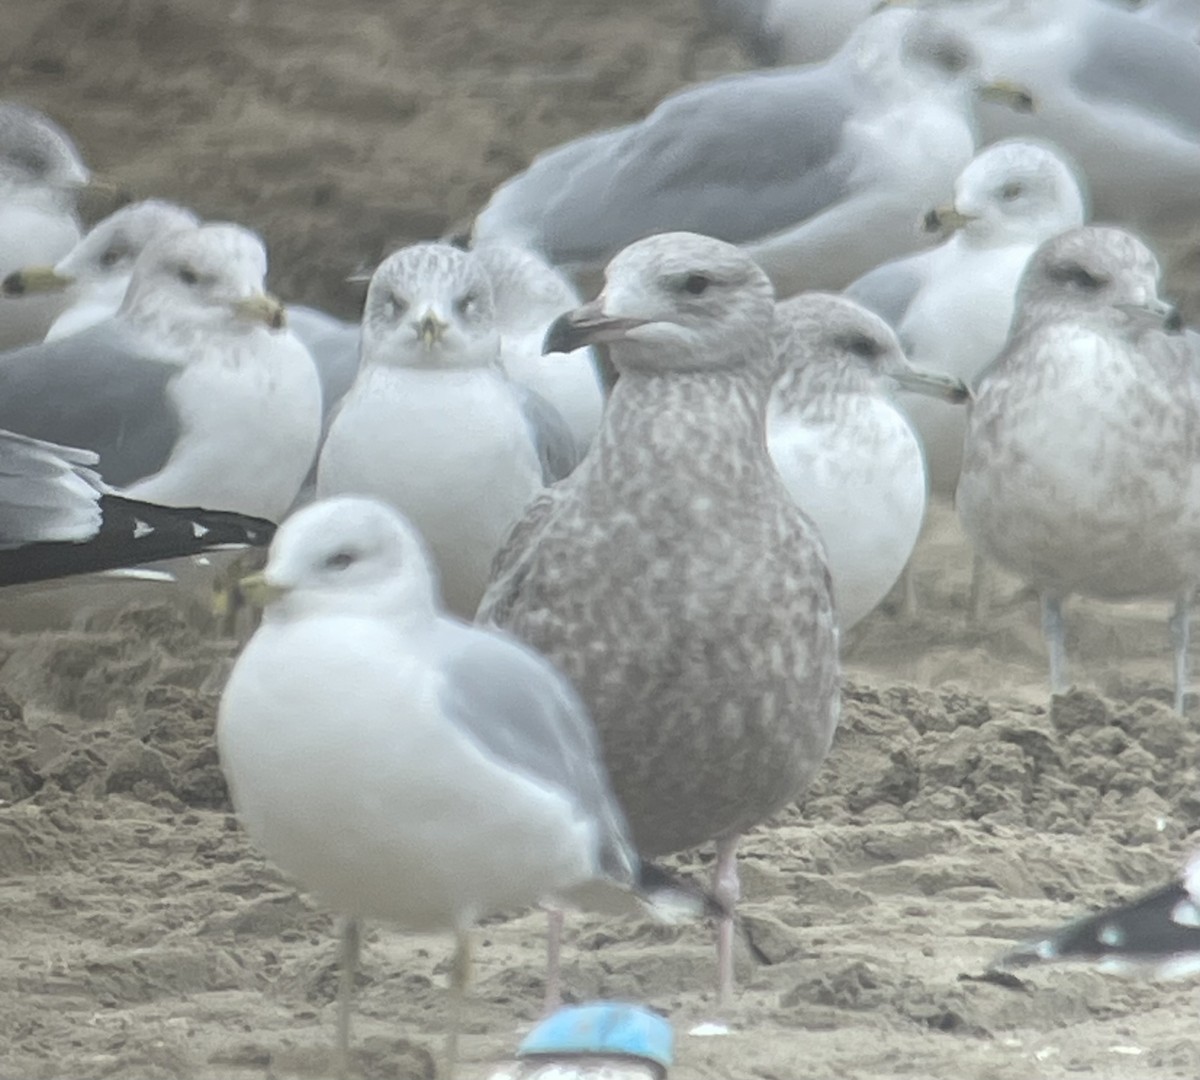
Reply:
x=946 y=219
x=257 y=590
x=431 y=329
x=1003 y=92
x=34 y=279
x=261 y=307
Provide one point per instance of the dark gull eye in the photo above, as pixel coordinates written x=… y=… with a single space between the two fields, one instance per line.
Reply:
x=1074 y=274
x=860 y=345
x=1012 y=190
x=696 y=284
x=111 y=257
x=340 y=560
x=466 y=304
x=396 y=306
x=188 y=276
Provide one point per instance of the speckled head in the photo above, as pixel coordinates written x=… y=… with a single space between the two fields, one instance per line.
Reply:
x=113 y=245
x=36 y=151
x=430 y=306
x=678 y=302
x=1016 y=191
x=349 y=555
x=207 y=277
x=837 y=345
x=1099 y=269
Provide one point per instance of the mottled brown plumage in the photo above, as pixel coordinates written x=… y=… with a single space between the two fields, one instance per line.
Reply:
x=671 y=577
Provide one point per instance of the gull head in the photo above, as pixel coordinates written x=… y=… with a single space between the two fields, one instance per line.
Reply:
x=528 y=291
x=206 y=278
x=1014 y=191
x=430 y=306
x=35 y=153
x=838 y=346
x=677 y=302
x=106 y=255
x=1095 y=271
x=351 y=556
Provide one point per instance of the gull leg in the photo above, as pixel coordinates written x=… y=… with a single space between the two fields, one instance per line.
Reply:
x=460 y=976
x=728 y=890
x=981 y=592
x=554 y=932
x=908 y=596
x=351 y=931
x=1181 y=632
x=1055 y=635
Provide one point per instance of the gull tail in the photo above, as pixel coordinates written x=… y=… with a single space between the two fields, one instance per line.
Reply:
x=1156 y=934
x=132 y=533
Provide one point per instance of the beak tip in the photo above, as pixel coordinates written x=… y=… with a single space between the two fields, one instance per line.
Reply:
x=13 y=284
x=562 y=336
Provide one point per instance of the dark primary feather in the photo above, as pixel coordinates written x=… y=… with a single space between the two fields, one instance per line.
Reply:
x=91 y=391
x=132 y=533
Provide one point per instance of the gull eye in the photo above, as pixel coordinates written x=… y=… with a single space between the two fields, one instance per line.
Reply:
x=340 y=560
x=396 y=306
x=1074 y=274
x=188 y=276
x=860 y=345
x=1014 y=189
x=952 y=58
x=696 y=284
x=465 y=305
x=111 y=257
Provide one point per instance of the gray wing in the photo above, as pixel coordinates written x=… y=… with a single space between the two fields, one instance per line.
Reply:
x=525 y=714
x=1130 y=63
x=100 y=389
x=552 y=438
x=334 y=346
x=747 y=21
x=741 y=159
x=47 y=492
x=890 y=289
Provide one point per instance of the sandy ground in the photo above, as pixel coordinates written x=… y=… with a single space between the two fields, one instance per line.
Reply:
x=960 y=810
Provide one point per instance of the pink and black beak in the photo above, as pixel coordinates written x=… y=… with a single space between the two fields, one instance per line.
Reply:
x=587 y=325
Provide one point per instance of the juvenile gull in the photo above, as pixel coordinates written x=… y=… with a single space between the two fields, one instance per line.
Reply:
x=820 y=173
x=1156 y=934
x=402 y=765
x=671 y=577
x=433 y=426
x=192 y=394
x=529 y=295
x=846 y=453
x=95 y=273
x=41 y=173
x=952 y=306
x=57 y=518
x=1081 y=469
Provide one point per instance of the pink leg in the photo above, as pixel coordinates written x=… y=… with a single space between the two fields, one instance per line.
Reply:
x=728 y=890
x=554 y=931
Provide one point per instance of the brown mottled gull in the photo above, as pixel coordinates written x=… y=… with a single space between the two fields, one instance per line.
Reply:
x=671 y=577
x=1081 y=471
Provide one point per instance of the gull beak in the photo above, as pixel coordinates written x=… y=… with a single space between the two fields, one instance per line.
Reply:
x=35 y=279
x=946 y=220
x=587 y=325
x=260 y=592
x=431 y=329
x=264 y=308
x=1000 y=92
x=1154 y=314
x=932 y=384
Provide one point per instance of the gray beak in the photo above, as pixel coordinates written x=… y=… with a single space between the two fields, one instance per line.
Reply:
x=932 y=384
x=587 y=325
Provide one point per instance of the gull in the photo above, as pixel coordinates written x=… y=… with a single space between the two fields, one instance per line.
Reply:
x=820 y=173
x=1081 y=468
x=41 y=173
x=952 y=305
x=402 y=765
x=433 y=426
x=95 y=273
x=671 y=577
x=1157 y=934
x=846 y=453
x=58 y=518
x=790 y=31
x=192 y=394
x=529 y=294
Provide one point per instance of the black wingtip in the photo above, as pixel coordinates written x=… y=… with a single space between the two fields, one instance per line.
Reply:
x=663 y=887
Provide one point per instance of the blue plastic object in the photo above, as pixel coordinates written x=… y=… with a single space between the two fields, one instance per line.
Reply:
x=602 y=1027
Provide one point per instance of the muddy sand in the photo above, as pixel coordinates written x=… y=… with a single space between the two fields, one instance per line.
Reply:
x=960 y=810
